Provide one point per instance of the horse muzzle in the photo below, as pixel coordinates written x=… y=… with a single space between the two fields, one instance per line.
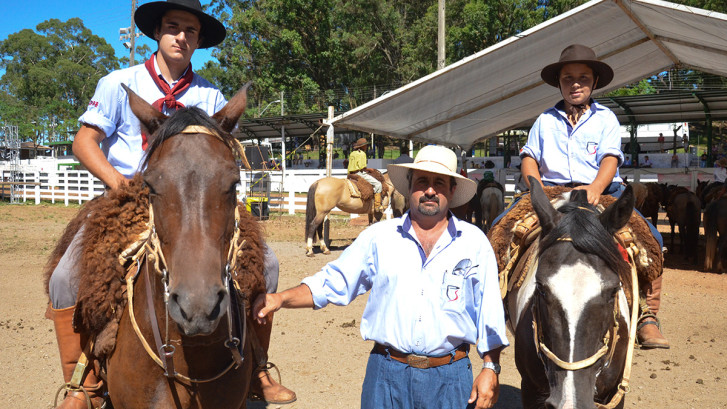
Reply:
x=198 y=312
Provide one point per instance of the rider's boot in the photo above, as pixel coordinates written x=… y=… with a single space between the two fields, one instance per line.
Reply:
x=649 y=329
x=70 y=346
x=263 y=386
x=377 y=202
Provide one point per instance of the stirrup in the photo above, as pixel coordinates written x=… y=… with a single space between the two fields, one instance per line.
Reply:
x=643 y=323
x=70 y=388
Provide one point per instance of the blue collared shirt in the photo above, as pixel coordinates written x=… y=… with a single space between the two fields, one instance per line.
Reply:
x=568 y=154
x=419 y=304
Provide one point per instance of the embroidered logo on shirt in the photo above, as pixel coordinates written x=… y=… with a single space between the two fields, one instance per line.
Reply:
x=453 y=281
x=93 y=104
x=591 y=148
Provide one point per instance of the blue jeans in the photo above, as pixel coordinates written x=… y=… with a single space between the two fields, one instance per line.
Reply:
x=390 y=384
x=614 y=189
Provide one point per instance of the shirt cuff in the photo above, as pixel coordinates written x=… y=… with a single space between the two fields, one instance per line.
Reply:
x=98 y=120
x=491 y=342
x=315 y=285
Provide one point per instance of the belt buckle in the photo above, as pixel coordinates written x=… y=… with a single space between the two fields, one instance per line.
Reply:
x=417 y=361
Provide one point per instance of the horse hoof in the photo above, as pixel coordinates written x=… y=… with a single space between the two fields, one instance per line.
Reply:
x=326 y=251
x=309 y=253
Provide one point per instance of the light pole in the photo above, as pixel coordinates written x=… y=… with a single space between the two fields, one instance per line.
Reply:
x=266 y=107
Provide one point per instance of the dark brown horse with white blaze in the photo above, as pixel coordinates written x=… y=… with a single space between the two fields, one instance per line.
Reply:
x=570 y=317
x=328 y=193
x=184 y=296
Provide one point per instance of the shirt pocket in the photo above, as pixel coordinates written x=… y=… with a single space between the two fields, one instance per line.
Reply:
x=453 y=287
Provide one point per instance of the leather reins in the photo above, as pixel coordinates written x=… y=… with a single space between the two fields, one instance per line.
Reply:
x=609 y=340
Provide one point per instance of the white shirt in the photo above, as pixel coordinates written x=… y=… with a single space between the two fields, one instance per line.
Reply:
x=567 y=153
x=109 y=110
x=720 y=174
x=419 y=304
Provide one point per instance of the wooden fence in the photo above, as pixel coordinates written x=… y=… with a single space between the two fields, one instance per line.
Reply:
x=283 y=194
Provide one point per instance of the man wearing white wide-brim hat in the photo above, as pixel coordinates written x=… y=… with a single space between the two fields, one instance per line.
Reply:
x=434 y=292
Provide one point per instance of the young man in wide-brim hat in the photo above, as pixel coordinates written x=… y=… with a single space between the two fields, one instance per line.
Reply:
x=357 y=162
x=110 y=145
x=434 y=292
x=577 y=143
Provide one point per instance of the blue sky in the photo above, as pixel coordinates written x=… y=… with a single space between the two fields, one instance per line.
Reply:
x=103 y=18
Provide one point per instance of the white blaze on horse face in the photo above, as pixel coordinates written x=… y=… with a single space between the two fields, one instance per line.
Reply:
x=586 y=281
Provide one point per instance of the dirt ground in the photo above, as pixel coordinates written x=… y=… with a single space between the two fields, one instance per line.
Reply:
x=321 y=354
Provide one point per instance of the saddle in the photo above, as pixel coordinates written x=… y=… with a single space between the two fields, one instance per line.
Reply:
x=359 y=187
x=514 y=241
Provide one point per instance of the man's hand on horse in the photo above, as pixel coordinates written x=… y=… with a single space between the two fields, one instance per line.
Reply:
x=265 y=304
x=485 y=390
x=594 y=194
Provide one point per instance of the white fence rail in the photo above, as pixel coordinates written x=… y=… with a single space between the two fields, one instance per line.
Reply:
x=283 y=194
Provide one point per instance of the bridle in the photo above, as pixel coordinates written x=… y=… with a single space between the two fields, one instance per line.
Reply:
x=609 y=340
x=148 y=249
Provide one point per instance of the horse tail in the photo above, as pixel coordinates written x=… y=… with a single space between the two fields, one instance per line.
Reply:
x=310 y=212
x=692 y=225
x=710 y=235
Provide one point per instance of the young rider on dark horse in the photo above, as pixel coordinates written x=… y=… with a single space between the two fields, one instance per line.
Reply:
x=166 y=81
x=357 y=162
x=576 y=143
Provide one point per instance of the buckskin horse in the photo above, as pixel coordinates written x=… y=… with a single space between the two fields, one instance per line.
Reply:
x=570 y=315
x=328 y=193
x=168 y=313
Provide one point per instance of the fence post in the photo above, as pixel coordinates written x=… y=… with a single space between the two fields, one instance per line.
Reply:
x=65 y=187
x=37 y=187
x=291 y=202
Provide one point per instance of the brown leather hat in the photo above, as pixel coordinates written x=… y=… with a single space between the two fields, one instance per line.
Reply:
x=360 y=142
x=578 y=53
x=148 y=16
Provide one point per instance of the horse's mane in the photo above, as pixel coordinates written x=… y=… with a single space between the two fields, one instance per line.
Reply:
x=580 y=222
x=181 y=119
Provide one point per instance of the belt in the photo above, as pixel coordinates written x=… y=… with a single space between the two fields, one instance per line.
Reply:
x=573 y=184
x=421 y=361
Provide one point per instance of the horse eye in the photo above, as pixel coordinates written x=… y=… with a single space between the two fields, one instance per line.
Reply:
x=151 y=188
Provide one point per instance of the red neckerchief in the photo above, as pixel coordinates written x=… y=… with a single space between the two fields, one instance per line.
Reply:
x=169 y=93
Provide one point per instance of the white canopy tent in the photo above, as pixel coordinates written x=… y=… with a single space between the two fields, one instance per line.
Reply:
x=500 y=87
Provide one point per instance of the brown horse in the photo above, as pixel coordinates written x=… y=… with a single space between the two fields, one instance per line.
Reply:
x=327 y=193
x=184 y=338
x=715 y=234
x=683 y=210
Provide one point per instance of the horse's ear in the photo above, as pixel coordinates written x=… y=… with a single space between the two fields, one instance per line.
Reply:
x=547 y=215
x=579 y=196
x=149 y=117
x=618 y=214
x=228 y=116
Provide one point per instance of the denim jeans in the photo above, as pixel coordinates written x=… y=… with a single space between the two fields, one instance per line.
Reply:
x=390 y=384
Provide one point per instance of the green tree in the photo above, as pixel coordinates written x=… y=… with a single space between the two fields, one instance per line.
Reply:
x=52 y=74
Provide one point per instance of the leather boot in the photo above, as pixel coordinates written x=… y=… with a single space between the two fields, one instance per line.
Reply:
x=262 y=386
x=377 y=202
x=70 y=346
x=648 y=331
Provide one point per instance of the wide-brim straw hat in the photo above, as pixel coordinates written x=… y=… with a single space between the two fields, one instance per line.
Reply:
x=435 y=159
x=360 y=142
x=148 y=16
x=578 y=53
